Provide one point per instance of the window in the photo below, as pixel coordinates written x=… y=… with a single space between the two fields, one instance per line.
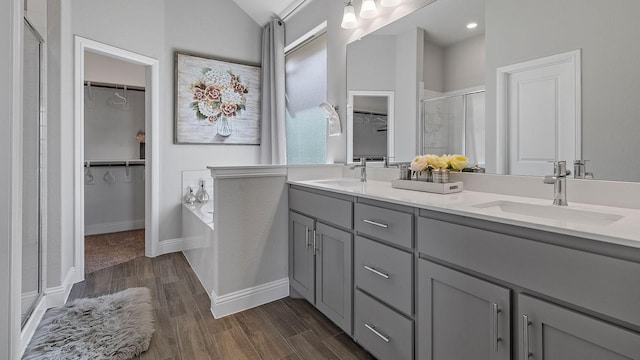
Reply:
x=306 y=89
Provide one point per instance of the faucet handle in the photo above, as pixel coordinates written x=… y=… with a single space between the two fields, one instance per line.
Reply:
x=560 y=168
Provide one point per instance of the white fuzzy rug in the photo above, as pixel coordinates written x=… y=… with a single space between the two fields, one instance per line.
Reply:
x=116 y=326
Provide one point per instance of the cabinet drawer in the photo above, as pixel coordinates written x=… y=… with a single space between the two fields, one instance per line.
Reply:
x=600 y=283
x=380 y=330
x=332 y=210
x=389 y=225
x=385 y=273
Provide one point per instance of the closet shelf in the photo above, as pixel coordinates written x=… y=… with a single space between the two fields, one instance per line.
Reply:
x=98 y=163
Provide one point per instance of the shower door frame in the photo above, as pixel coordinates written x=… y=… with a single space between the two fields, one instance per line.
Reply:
x=463 y=93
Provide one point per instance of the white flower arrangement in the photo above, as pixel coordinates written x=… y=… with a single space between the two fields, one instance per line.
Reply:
x=218 y=94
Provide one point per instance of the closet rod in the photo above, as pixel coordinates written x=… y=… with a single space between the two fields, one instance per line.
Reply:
x=102 y=163
x=113 y=86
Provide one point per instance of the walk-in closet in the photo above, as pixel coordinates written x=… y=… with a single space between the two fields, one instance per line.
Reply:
x=114 y=161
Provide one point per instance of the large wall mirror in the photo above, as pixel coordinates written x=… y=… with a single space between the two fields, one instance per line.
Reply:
x=453 y=94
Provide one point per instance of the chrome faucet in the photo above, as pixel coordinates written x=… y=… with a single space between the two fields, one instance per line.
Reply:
x=363 y=169
x=559 y=181
x=580 y=170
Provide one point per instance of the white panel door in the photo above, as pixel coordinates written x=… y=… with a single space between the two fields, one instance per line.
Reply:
x=542 y=108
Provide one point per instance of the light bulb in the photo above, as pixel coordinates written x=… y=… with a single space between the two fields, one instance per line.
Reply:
x=389 y=3
x=368 y=9
x=349 y=20
x=472 y=25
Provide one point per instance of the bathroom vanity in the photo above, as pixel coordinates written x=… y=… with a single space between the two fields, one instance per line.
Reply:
x=472 y=275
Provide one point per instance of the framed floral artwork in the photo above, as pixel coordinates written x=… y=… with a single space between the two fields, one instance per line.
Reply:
x=217 y=101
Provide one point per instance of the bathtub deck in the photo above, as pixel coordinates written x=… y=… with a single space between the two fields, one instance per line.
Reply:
x=185 y=329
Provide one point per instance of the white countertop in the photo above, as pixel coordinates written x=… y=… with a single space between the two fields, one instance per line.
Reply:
x=625 y=231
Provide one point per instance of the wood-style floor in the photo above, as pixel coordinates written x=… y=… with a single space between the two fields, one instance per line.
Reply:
x=185 y=329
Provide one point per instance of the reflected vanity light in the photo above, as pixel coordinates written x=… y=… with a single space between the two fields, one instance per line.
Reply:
x=368 y=9
x=472 y=25
x=349 y=20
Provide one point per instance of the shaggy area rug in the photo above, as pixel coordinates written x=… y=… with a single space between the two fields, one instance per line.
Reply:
x=116 y=326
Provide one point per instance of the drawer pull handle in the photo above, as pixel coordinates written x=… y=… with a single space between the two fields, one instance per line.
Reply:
x=373 y=330
x=371 y=222
x=497 y=337
x=525 y=337
x=306 y=236
x=377 y=272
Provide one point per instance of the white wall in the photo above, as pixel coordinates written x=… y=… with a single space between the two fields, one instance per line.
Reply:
x=607 y=33
x=100 y=68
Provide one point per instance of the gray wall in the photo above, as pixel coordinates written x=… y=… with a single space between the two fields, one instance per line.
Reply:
x=371 y=63
x=463 y=64
x=433 y=58
x=155 y=29
x=10 y=219
x=607 y=33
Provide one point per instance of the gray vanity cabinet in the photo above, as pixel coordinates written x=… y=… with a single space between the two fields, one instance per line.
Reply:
x=460 y=316
x=321 y=253
x=551 y=332
x=334 y=279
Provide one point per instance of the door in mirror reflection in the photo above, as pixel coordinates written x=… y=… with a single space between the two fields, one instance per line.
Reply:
x=370 y=125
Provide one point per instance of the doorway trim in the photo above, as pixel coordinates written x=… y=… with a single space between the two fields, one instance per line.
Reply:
x=152 y=130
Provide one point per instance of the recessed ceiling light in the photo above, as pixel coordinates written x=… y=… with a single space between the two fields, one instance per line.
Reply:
x=472 y=25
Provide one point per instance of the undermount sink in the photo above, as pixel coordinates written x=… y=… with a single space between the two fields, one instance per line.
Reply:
x=340 y=182
x=552 y=212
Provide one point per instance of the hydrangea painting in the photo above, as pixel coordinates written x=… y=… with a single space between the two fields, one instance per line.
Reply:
x=217 y=102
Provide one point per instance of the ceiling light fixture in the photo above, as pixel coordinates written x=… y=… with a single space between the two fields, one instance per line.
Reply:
x=472 y=25
x=368 y=9
x=389 y=3
x=349 y=20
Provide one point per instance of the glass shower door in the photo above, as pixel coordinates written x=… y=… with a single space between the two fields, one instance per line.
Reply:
x=31 y=137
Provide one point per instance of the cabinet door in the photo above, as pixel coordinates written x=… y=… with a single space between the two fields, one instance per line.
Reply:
x=301 y=265
x=334 y=281
x=460 y=316
x=551 y=332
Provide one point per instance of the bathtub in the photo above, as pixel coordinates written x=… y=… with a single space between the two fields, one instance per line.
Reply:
x=240 y=251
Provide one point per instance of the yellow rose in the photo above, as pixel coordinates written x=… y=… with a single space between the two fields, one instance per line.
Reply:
x=440 y=162
x=458 y=162
x=432 y=160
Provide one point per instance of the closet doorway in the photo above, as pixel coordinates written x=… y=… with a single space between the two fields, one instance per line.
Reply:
x=114 y=161
x=116 y=119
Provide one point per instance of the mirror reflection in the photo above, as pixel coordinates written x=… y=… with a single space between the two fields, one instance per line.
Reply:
x=370 y=119
x=526 y=112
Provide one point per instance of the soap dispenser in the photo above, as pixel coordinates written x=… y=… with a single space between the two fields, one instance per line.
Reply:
x=190 y=197
x=202 y=195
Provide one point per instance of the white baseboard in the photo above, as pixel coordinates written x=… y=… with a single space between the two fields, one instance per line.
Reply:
x=170 y=246
x=248 y=298
x=106 y=228
x=52 y=297
x=58 y=295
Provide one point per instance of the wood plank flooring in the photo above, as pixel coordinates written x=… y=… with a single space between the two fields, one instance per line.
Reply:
x=185 y=329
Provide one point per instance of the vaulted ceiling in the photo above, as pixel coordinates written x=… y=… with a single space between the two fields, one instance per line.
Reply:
x=261 y=11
